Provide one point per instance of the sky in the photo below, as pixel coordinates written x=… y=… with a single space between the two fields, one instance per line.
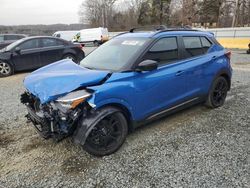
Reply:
x=23 y=12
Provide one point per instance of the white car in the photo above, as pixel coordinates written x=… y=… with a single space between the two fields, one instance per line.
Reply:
x=94 y=35
x=66 y=35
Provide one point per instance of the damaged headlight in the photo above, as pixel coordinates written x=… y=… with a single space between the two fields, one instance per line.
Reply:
x=73 y=99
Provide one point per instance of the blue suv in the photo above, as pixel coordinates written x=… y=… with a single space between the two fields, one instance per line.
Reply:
x=134 y=78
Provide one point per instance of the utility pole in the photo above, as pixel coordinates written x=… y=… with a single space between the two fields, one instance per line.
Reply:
x=234 y=23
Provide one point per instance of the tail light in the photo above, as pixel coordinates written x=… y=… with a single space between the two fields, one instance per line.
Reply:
x=228 y=55
x=80 y=46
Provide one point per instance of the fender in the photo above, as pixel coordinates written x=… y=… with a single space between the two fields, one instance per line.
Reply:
x=110 y=101
x=86 y=124
x=221 y=72
x=224 y=72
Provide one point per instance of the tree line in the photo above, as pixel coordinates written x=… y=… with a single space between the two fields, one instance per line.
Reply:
x=124 y=14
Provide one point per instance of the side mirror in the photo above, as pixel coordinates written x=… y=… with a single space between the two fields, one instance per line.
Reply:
x=147 y=65
x=18 y=50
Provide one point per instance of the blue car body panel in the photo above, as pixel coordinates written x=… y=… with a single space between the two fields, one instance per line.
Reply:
x=60 y=78
x=141 y=93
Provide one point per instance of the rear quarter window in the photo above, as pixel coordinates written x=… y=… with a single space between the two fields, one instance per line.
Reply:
x=193 y=46
x=206 y=44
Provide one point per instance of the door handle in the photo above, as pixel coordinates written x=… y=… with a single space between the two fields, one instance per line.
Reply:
x=214 y=57
x=179 y=73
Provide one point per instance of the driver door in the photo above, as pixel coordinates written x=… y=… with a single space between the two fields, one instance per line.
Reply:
x=29 y=55
x=164 y=87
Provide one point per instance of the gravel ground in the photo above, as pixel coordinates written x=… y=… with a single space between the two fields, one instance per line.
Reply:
x=197 y=147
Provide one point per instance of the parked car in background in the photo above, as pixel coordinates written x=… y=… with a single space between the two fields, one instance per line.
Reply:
x=94 y=35
x=35 y=52
x=66 y=35
x=6 y=39
x=132 y=79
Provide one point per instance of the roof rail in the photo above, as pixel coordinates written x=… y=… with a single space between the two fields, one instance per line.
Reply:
x=148 y=28
x=185 y=28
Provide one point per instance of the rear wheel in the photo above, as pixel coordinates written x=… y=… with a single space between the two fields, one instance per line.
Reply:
x=218 y=93
x=5 y=69
x=108 y=135
x=96 y=43
x=70 y=56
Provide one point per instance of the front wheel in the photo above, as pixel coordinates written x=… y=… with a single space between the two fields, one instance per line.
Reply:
x=108 y=135
x=5 y=69
x=218 y=93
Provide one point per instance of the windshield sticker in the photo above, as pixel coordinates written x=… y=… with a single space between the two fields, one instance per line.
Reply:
x=131 y=42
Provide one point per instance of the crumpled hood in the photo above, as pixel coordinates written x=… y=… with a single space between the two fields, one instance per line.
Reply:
x=57 y=79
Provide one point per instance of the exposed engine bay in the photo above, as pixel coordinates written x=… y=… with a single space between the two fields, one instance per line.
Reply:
x=57 y=119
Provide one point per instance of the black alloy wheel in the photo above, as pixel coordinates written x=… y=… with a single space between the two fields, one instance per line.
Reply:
x=108 y=135
x=218 y=93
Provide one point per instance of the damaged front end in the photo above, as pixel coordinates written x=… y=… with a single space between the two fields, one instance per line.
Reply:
x=57 y=119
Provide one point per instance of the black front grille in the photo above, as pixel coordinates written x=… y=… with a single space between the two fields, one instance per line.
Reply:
x=25 y=98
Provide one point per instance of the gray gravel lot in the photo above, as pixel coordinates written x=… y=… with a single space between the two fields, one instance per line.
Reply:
x=197 y=147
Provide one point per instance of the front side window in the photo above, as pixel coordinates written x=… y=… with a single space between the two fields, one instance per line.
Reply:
x=30 y=44
x=114 y=54
x=163 y=51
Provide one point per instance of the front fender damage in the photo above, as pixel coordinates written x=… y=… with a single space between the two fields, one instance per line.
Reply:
x=86 y=124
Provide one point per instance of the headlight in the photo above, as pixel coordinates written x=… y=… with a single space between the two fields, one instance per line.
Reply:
x=73 y=99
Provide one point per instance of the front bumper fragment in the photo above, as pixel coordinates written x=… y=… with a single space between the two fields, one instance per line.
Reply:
x=41 y=124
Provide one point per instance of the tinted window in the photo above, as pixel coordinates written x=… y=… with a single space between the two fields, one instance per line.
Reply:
x=30 y=44
x=164 y=51
x=115 y=54
x=20 y=36
x=59 y=42
x=206 y=44
x=1 y=38
x=49 y=42
x=193 y=46
x=11 y=37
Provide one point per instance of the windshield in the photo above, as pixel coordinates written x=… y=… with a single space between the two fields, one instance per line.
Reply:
x=14 y=44
x=114 y=54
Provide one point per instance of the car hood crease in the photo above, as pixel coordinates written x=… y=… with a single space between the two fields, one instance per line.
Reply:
x=60 y=78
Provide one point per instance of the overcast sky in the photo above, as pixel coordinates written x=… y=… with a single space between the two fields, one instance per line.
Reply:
x=22 y=12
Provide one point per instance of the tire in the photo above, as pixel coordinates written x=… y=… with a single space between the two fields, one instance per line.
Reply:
x=5 y=69
x=218 y=93
x=70 y=56
x=96 y=43
x=108 y=135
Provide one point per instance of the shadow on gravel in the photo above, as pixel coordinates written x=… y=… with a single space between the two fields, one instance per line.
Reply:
x=175 y=119
x=75 y=165
x=34 y=143
x=5 y=140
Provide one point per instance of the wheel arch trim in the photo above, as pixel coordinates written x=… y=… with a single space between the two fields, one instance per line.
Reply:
x=86 y=124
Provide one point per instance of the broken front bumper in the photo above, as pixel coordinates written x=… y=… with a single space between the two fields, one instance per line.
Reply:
x=41 y=124
x=48 y=121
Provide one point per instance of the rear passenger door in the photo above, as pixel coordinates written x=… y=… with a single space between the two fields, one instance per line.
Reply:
x=52 y=50
x=197 y=60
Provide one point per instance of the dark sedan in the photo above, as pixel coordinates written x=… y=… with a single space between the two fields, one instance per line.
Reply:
x=34 y=52
x=6 y=39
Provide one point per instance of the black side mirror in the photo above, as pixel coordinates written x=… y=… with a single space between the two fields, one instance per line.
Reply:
x=18 y=50
x=147 y=65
